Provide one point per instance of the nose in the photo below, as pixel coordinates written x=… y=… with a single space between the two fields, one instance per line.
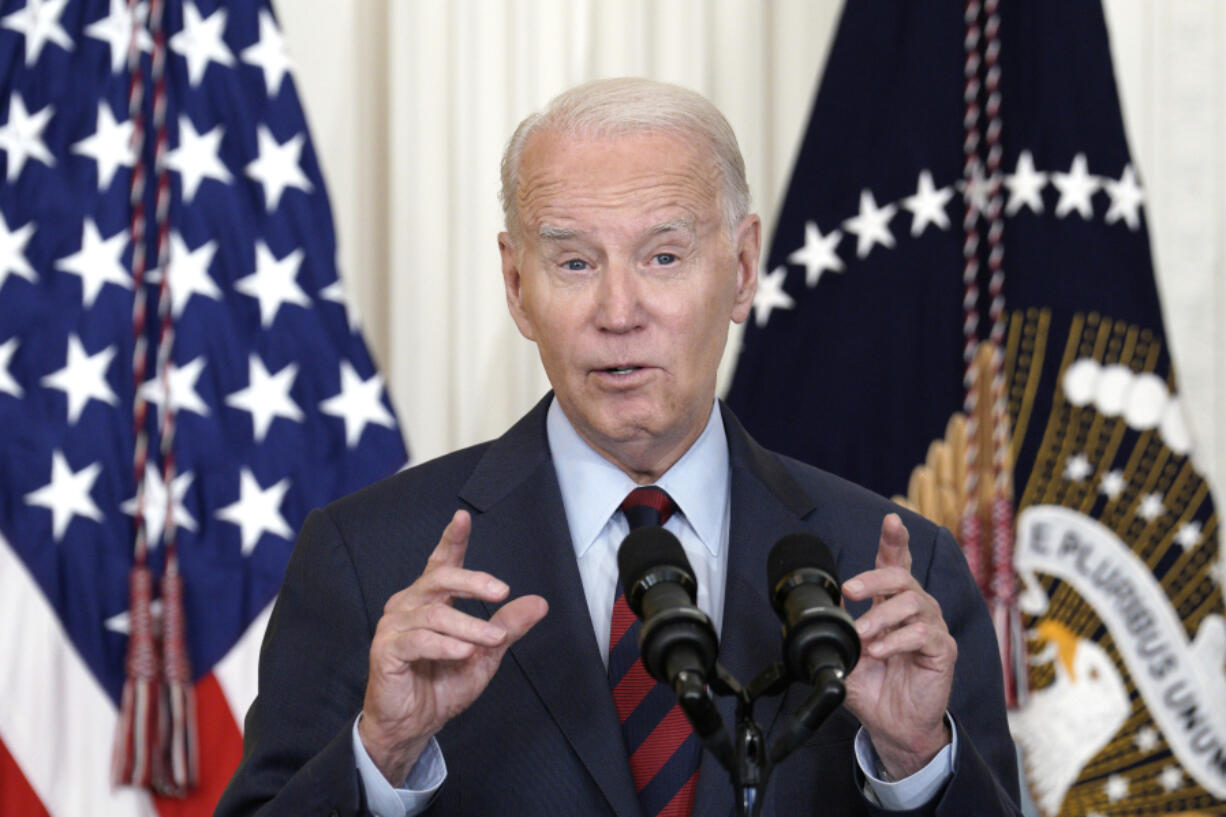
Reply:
x=619 y=306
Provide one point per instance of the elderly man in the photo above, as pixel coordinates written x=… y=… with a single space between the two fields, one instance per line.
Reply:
x=471 y=673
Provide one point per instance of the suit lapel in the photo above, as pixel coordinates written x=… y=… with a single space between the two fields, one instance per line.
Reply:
x=766 y=503
x=520 y=535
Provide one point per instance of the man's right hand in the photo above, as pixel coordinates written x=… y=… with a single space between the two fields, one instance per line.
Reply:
x=429 y=661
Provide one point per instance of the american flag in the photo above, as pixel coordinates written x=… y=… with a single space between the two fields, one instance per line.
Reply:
x=177 y=122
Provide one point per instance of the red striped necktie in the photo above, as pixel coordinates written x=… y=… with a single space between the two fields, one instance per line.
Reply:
x=663 y=749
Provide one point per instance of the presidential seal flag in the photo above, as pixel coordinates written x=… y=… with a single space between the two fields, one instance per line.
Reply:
x=180 y=383
x=959 y=309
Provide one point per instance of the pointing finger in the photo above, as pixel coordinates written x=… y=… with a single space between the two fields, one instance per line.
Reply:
x=892 y=549
x=453 y=543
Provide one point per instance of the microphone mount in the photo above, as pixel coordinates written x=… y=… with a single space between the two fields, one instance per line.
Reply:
x=678 y=646
x=820 y=646
x=745 y=753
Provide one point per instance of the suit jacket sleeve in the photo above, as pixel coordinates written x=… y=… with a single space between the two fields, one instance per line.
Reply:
x=297 y=748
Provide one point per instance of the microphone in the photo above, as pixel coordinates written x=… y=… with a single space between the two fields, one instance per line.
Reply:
x=817 y=634
x=676 y=637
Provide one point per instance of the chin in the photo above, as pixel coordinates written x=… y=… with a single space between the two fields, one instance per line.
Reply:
x=625 y=428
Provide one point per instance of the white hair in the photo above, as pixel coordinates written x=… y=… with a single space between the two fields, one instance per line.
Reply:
x=617 y=107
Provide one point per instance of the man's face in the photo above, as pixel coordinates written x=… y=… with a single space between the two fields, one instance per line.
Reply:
x=624 y=275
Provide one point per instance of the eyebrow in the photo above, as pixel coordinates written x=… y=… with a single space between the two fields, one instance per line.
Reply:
x=676 y=225
x=550 y=232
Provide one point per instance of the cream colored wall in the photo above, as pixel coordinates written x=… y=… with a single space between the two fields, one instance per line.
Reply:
x=410 y=102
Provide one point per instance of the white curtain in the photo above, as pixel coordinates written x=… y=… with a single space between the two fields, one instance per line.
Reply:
x=411 y=101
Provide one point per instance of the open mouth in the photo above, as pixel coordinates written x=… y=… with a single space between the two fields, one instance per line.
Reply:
x=621 y=369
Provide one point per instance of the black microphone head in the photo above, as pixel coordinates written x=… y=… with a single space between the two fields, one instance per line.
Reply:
x=801 y=552
x=795 y=551
x=648 y=554
x=804 y=588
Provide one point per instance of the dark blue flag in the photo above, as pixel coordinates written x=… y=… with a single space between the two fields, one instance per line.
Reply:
x=958 y=309
x=182 y=148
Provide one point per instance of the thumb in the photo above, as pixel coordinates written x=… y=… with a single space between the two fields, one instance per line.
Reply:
x=519 y=616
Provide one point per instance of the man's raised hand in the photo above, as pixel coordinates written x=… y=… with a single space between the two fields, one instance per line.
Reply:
x=428 y=660
x=900 y=688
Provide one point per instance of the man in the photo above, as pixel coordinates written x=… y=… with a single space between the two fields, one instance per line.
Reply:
x=466 y=674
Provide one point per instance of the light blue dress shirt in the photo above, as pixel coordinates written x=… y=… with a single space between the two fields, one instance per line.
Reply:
x=592 y=490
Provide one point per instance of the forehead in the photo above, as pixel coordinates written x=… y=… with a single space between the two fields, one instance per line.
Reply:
x=571 y=182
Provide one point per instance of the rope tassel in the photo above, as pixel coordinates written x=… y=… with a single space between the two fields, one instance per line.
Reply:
x=155 y=740
x=986 y=526
x=175 y=769
x=1005 y=615
x=136 y=735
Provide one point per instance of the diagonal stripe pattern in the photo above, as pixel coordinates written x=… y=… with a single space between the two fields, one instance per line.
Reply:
x=664 y=752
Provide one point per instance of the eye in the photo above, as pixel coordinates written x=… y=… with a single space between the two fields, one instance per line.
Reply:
x=575 y=265
x=665 y=259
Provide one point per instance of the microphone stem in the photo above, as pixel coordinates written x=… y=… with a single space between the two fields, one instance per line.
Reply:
x=695 y=701
x=752 y=767
x=828 y=692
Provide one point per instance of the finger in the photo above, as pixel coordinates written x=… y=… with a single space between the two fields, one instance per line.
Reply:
x=454 y=541
x=907 y=639
x=933 y=644
x=446 y=620
x=456 y=582
x=443 y=583
x=892 y=549
x=896 y=612
x=409 y=646
x=519 y=616
x=880 y=584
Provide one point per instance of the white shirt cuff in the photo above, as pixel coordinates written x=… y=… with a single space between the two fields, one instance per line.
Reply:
x=424 y=780
x=910 y=792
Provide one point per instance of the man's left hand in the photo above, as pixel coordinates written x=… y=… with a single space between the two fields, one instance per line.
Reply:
x=899 y=690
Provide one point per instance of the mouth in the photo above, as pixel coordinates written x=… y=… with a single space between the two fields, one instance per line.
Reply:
x=623 y=375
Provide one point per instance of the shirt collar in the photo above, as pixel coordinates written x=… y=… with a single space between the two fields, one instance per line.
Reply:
x=593 y=488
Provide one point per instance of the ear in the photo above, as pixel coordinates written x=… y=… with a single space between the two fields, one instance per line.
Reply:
x=748 y=243
x=512 y=280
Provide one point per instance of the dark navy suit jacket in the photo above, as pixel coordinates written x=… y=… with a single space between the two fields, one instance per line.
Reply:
x=544 y=739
